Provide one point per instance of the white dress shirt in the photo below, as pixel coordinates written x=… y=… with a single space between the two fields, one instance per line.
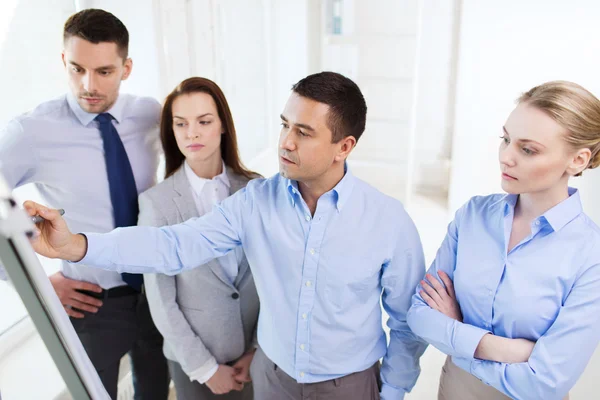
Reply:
x=58 y=148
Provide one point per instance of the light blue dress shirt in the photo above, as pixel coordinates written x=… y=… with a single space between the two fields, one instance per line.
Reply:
x=58 y=147
x=546 y=289
x=319 y=278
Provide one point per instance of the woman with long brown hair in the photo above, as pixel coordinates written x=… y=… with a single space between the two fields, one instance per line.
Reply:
x=207 y=315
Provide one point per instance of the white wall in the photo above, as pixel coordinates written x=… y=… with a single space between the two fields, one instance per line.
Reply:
x=31 y=69
x=377 y=48
x=435 y=97
x=507 y=48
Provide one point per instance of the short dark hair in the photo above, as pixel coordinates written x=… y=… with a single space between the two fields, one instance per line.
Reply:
x=347 y=106
x=97 y=26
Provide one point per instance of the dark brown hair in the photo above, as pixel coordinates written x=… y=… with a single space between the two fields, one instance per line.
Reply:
x=98 y=26
x=229 y=148
x=347 y=107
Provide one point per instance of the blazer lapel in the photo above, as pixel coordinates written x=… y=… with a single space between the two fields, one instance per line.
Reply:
x=183 y=199
x=242 y=271
x=236 y=182
x=219 y=272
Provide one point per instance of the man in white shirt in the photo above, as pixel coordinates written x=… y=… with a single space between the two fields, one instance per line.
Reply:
x=91 y=152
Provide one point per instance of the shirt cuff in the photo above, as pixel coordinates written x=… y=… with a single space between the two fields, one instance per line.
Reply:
x=467 y=339
x=205 y=372
x=476 y=366
x=470 y=366
x=389 y=392
x=93 y=252
x=462 y=363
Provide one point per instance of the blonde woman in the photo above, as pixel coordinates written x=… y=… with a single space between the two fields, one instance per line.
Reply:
x=513 y=296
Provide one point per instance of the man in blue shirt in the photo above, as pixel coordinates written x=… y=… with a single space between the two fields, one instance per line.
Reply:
x=324 y=248
x=78 y=150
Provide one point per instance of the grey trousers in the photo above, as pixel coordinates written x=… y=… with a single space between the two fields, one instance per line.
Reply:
x=124 y=325
x=192 y=390
x=271 y=383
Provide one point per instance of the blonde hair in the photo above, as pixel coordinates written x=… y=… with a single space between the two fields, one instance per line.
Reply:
x=574 y=108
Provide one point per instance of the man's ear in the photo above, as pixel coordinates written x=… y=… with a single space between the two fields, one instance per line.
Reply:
x=347 y=144
x=127 y=66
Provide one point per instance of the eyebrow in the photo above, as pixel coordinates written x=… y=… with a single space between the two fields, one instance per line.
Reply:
x=305 y=126
x=104 y=68
x=524 y=140
x=199 y=116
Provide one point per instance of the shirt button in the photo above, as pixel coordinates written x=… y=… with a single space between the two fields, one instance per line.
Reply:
x=302 y=347
x=308 y=283
x=301 y=374
x=537 y=222
x=304 y=316
x=235 y=296
x=307 y=217
x=490 y=292
x=312 y=252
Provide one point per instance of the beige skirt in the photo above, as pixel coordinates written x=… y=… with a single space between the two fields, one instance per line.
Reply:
x=457 y=384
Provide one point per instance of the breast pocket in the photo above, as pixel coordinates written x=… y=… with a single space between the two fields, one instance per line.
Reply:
x=352 y=282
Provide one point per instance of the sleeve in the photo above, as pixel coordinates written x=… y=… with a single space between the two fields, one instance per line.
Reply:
x=559 y=356
x=172 y=249
x=161 y=291
x=446 y=334
x=400 y=368
x=203 y=377
x=18 y=162
x=18 y=156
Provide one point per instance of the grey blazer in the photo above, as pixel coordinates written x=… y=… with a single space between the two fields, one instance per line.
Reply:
x=198 y=312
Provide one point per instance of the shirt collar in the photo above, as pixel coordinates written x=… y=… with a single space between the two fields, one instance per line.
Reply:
x=344 y=188
x=197 y=183
x=292 y=187
x=559 y=215
x=510 y=201
x=565 y=211
x=85 y=117
x=341 y=191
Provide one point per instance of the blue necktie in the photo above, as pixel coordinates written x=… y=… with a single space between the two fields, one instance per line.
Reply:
x=123 y=192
